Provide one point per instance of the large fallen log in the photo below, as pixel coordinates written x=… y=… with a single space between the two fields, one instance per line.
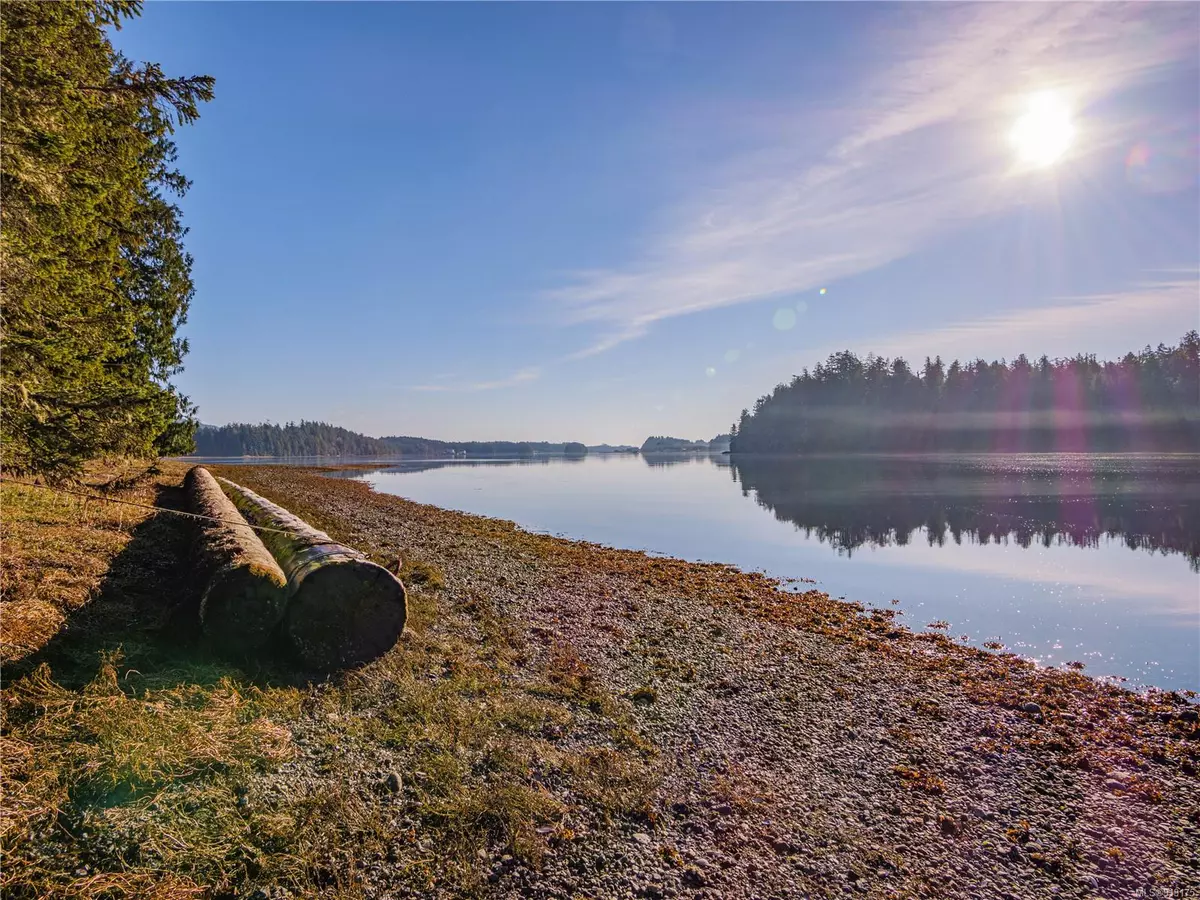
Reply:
x=245 y=589
x=343 y=610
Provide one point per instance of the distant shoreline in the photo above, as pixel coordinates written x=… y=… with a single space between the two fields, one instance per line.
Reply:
x=866 y=454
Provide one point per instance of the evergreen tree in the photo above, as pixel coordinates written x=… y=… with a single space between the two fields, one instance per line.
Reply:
x=96 y=280
x=1146 y=401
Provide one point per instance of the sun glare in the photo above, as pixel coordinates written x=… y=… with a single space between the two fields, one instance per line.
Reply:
x=1044 y=132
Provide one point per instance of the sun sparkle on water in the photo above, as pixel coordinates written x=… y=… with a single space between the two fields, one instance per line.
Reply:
x=1045 y=130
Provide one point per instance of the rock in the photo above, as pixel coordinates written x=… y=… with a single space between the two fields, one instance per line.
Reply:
x=393 y=783
x=694 y=877
x=783 y=846
x=723 y=809
x=270 y=893
x=1032 y=708
x=641 y=837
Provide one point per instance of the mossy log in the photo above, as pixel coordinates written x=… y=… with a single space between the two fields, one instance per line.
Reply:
x=245 y=589
x=343 y=610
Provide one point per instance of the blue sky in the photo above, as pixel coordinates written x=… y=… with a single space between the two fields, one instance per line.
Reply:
x=600 y=221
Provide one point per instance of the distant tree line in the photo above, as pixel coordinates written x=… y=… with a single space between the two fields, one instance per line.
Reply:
x=96 y=278
x=1144 y=401
x=661 y=444
x=292 y=439
x=494 y=449
x=322 y=439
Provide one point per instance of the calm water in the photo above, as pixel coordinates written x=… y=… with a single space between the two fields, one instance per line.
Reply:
x=1061 y=558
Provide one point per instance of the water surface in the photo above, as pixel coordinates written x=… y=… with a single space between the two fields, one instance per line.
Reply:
x=1060 y=557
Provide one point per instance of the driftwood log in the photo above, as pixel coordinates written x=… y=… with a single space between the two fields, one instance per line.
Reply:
x=343 y=610
x=245 y=590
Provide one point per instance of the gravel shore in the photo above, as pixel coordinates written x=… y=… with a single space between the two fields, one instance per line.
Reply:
x=800 y=746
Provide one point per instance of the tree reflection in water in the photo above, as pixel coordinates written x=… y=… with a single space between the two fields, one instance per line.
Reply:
x=1149 y=503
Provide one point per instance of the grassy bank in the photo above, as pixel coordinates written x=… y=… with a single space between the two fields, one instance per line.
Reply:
x=560 y=720
x=138 y=762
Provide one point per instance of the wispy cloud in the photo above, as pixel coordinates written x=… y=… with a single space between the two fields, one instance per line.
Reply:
x=923 y=153
x=522 y=376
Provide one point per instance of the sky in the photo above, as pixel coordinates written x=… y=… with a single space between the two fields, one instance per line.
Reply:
x=598 y=222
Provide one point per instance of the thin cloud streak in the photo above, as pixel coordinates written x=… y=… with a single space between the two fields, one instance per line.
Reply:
x=523 y=376
x=608 y=341
x=928 y=155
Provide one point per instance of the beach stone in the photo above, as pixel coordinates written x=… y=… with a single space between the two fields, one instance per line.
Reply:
x=1032 y=708
x=641 y=837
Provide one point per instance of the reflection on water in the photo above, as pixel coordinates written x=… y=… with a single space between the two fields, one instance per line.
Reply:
x=1062 y=558
x=1146 y=503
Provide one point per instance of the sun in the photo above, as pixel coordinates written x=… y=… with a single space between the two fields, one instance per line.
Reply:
x=1045 y=131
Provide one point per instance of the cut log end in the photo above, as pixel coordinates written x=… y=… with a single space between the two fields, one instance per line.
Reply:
x=241 y=607
x=345 y=614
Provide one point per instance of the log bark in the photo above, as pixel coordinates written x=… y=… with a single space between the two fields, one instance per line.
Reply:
x=343 y=610
x=245 y=589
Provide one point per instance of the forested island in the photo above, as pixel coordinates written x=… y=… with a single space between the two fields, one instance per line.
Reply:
x=661 y=444
x=1146 y=401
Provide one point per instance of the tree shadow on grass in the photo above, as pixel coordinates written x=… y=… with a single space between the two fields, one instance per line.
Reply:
x=146 y=610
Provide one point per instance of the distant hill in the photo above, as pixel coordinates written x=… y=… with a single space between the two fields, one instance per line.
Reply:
x=660 y=444
x=323 y=439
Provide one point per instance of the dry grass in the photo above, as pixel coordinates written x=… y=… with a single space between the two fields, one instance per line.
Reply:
x=136 y=764
x=142 y=783
x=58 y=547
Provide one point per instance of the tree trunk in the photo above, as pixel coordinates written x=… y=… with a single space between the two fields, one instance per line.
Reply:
x=344 y=610
x=245 y=590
